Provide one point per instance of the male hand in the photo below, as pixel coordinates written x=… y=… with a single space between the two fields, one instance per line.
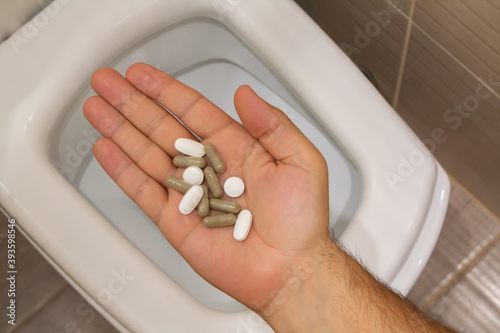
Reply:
x=286 y=177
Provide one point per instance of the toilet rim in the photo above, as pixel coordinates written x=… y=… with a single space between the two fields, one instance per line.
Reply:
x=63 y=232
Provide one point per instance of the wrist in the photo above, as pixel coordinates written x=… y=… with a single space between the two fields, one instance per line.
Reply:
x=328 y=291
x=309 y=293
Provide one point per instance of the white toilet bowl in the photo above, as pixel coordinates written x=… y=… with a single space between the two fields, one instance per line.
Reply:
x=388 y=194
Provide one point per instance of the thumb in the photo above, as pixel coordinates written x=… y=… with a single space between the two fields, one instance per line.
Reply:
x=272 y=128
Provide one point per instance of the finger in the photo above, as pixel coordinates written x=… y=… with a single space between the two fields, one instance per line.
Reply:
x=141 y=188
x=191 y=107
x=272 y=128
x=111 y=124
x=158 y=204
x=147 y=116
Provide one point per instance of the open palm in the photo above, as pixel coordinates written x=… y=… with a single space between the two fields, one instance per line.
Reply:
x=285 y=176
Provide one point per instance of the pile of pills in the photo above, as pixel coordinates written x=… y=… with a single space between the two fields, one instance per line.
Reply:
x=206 y=198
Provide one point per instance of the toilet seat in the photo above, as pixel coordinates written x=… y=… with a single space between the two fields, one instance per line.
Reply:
x=30 y=185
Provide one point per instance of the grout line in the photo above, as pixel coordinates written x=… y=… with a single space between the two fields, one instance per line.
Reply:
x=391 y=3
x=448 y=53
x=462 y=272
x=475 y=35
x=404 y=54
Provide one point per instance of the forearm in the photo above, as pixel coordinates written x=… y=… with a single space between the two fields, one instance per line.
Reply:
x=330 y=292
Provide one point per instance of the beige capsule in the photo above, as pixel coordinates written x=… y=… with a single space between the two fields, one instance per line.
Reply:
x=219 y=220
x=203 y=206
x=214 y=157
x=177 y=184
x=213 y=182
x=187 y=161
x=224 y=206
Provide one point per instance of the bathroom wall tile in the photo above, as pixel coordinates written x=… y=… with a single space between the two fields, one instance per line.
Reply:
x=370 y=40
x=403 y=5
x=36 y=281
x=472 y=303
x=467 y=230
x=66 y=312
x=468 y=29
x=455 y=115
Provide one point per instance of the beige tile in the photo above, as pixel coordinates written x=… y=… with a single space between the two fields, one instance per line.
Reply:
x=66 y=312
x=468 y=228
x=36 y=280
x=472 y=304
x=403 y=5
x=434 y=85
x=468 y=29
x=454 y=84
x=369 y=33
x=487 y=10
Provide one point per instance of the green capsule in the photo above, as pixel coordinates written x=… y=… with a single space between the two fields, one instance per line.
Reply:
x=213 y=182
x=177 y=184
x=203 y=206
x=187 y=161
x=214 y=157
x=219 y=220
x=224 y=206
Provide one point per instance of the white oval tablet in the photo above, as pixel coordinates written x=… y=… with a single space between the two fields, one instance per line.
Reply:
x=193 y=175
x=189 y=147
x=191 y=199
x=242 y=225
x=234 y=187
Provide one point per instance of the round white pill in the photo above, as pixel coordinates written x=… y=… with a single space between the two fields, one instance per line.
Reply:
x=191 y=199
x=193 y=175
x=234 y=187
x=189 y=147
x=242 y=225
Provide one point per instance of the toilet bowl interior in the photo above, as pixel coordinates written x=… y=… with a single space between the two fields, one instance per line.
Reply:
x=207 y=56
